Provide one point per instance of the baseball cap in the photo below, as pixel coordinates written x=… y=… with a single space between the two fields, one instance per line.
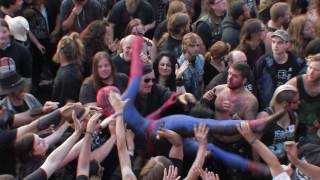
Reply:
x=282 y=34
x=18 y=26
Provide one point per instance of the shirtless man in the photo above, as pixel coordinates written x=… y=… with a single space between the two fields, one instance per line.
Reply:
x=233 y=100
x=308 y=86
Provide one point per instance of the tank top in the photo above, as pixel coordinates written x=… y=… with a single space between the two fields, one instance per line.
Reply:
x=309 y=105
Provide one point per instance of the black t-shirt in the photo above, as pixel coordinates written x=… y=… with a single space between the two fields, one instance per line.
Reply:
x=67 y=84
x=91 y=11
x=284 y=72
x=21 y=56
x=275 y=136
x=254 y=54
x=88 y=92
x=148 y=104
x=82 y=177
x=7 y=156
x=160 y=30
x=39 y=174
x=209 y=72
x=172 y=45
x=121 y=65
x=120 y=17
x=210 y=32
x=22 y=108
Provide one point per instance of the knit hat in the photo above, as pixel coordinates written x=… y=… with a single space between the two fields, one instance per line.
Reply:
x=236 y=9
x=18 y=26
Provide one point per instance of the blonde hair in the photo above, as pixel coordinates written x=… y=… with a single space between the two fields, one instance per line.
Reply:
x=71 y=47
x=189 y=38
x=313 y=58
x=153 y=169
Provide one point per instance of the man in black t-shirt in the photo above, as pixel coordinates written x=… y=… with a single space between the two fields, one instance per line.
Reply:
x=273 y=70
x=123 y=11
x=209 y=27
x=77 y=14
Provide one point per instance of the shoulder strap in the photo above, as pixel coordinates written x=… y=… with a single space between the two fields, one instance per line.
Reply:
x=269 y=110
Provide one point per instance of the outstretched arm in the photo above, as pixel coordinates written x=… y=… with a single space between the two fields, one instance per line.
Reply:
x=123 y=154
x=306 y=168
x=55 y=137
x=175 y=139
x=261 y=149
x=52 y=162
x=84 y=157
x=200 y=133
x=102 y=152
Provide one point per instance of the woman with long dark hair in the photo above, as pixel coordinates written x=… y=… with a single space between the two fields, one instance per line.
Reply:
x=103 y=74
x=97 y=36
x=165 y=71
x=251 y=36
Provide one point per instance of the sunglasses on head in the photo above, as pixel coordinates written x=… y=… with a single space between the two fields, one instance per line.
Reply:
x=147 y=80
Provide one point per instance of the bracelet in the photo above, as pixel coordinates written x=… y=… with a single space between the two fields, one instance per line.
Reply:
x=253 y=141
x=90 y=133
x=179 y=82
x=131 y=153
x=118 y=114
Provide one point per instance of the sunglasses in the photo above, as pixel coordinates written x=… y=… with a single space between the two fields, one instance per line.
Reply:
x=147 y=80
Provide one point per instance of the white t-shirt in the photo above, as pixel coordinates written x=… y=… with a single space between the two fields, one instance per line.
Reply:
x=282 y=176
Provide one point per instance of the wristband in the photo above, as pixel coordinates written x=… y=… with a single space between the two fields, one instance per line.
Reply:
x=131 y=153
x=118 y=114
x=179 y=82
x=90 y=133
x=253 y=141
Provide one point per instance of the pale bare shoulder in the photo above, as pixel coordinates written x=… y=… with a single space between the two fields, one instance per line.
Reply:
x=220 y=88
x=262 y=114
x=292 y=81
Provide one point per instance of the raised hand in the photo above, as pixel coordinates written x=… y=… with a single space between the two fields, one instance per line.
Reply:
x=78 y=127
x=292 y=151
x=200 y=133
x=116 y=102
x=173 y=137
x=179 y=71
x=187 y=98
x=245 y=130
x=209 y=95
x=93 y=123
x=208 y=175
x=49 y=106
x=108 y=120
x=171 y=173
x=66 y=110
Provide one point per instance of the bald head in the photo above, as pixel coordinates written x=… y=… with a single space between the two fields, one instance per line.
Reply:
x=127 y=43
x=236 y=56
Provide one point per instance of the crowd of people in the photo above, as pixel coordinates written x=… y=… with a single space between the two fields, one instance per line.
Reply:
x=160 y=89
